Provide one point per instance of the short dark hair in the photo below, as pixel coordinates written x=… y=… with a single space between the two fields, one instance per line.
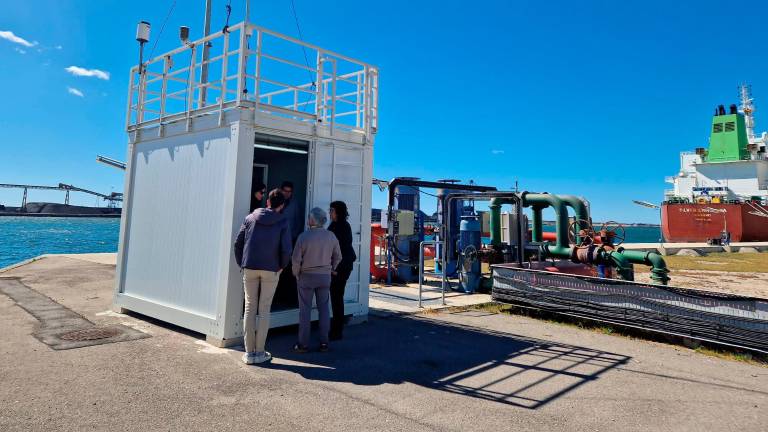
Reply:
x=276 y=198
x=260 y=187
x=340 y=207
x=286 y=184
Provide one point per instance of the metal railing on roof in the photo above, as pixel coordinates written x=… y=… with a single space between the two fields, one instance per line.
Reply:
x=258 y=69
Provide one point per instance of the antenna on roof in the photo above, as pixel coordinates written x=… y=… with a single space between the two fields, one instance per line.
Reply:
x=142 y=37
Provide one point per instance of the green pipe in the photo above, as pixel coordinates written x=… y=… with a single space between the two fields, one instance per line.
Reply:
x=659 y=270
x=577 y=204
x=559 y=251
x=495 y=209
x=581 y=213
x=561 y=218
x=538 y=226
x=622 y=263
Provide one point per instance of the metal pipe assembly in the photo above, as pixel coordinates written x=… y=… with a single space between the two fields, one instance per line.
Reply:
x=575 y=247
x=405 y=228
x=497 y=198
x=590 y=253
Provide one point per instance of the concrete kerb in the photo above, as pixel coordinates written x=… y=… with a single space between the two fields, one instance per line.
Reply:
x=666 y=250
x=39 y=257
x=385 y=313
x=25 y=262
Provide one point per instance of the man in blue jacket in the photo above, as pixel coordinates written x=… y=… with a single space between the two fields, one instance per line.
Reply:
x=262 y=249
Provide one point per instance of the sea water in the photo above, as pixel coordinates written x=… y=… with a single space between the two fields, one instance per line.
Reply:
x=22 y=238
x=633 y=234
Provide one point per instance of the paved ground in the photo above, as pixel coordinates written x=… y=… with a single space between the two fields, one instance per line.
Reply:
x=440 y=371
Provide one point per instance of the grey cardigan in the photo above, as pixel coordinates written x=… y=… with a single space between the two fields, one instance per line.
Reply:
x=317 y=252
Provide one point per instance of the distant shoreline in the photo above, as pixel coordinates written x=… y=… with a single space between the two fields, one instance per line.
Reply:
x=626 y=224
x=58 y=215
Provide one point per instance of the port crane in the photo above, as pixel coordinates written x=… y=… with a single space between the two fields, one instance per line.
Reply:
x=112 y=198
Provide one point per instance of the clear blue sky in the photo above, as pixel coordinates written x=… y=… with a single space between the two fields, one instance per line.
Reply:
x=589 y=98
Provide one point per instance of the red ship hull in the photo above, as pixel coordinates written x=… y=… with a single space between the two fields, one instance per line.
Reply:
x=701 y=222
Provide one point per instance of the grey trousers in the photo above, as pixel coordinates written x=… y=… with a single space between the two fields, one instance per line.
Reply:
x=259 y=286
x=318 y=286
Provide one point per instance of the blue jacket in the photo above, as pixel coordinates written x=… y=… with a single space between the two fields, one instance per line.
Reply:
x=264 y=241
x=294 y=218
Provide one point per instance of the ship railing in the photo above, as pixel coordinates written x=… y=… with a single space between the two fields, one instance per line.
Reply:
x=250 y=67
x=669 y=179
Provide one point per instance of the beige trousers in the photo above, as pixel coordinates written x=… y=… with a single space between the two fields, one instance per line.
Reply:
x=259 y=288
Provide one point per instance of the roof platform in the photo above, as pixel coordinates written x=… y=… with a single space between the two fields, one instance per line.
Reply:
x=269 y=75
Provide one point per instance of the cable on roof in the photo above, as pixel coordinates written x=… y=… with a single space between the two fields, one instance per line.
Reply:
x=162 y=27
x=304 y=49
x=228 y=7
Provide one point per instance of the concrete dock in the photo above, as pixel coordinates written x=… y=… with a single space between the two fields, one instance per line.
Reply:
x=674 y=248
x=455 y=371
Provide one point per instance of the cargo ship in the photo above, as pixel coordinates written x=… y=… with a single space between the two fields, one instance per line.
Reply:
x=721 y=192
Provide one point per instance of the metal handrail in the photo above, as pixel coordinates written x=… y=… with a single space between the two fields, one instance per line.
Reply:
x=168 y=88
x=421 y=268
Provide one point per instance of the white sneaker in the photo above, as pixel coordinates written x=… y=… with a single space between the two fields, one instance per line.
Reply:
x=262 y=357
x=249 y=358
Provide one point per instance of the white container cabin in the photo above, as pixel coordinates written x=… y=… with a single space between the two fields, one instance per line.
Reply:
x=263 y=107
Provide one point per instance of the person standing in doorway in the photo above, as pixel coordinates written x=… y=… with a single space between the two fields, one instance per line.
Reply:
x=291 y=211
x=258 y=196
x=262 y=249
x=340 y=227
x=294 y=215
x=315 y=256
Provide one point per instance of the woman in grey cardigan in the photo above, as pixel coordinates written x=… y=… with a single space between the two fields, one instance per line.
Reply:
x=315 y=256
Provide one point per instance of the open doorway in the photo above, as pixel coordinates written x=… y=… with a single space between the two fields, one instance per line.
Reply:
x=275 y=161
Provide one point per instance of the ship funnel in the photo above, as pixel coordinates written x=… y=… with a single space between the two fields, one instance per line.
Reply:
x=732 y=109
x=720 y=110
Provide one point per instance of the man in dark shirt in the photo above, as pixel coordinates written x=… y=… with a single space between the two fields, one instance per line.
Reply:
x=262 y=249
x=286 y=287
x=292 y=212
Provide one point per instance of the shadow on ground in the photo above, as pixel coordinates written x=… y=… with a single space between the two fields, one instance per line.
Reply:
x=468 y=361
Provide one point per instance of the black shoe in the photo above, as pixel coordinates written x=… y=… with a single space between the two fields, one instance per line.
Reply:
x=300 y=349
x=323 y=347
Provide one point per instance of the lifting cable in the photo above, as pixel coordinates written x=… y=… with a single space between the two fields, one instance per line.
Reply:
x=162 y=27
x=228 y=8
x=306 y=58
